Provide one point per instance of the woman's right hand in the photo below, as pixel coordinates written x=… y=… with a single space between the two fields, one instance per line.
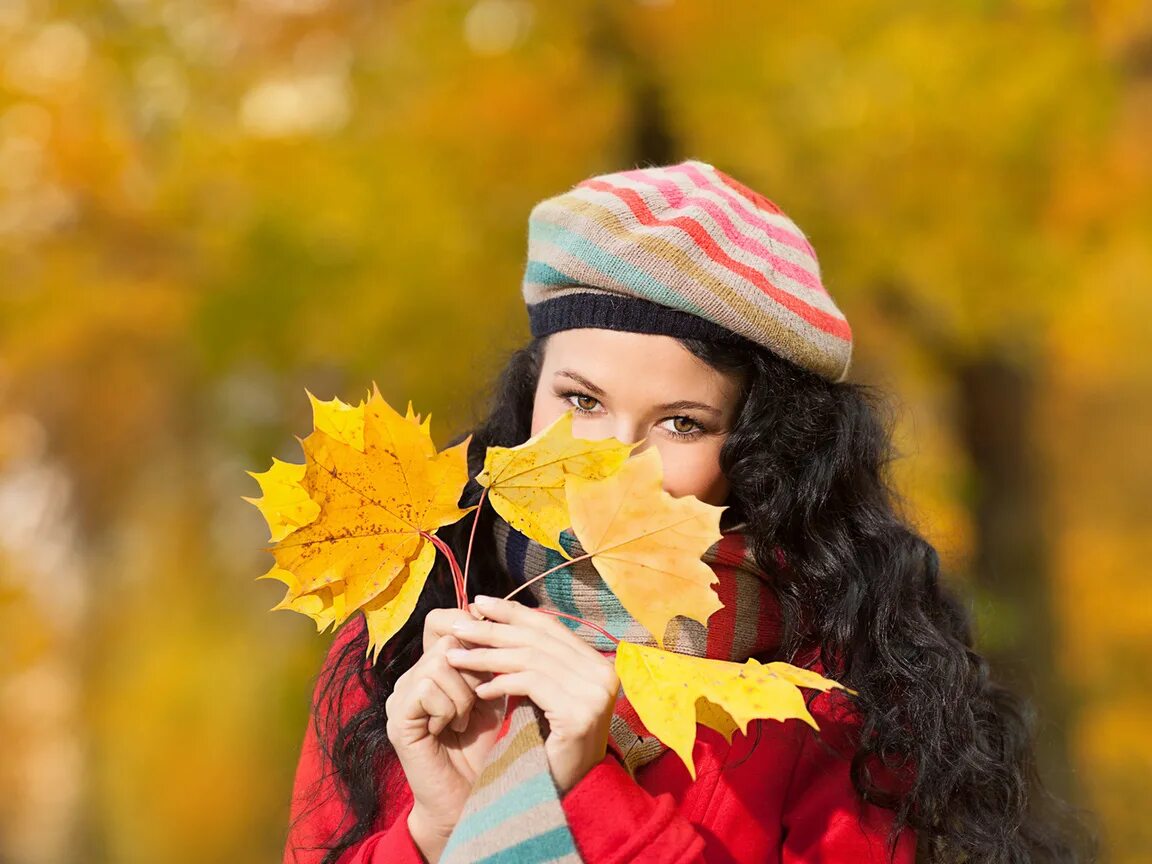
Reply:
x=441 y=731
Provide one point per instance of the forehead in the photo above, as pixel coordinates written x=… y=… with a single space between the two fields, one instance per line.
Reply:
x=637 y=364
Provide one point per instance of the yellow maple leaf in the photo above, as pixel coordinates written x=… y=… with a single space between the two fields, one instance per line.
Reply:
x=386 y=613
x=647 y=544
x=320 y=605
x=339 y=420
x=286 y=504
x=673 y=692
x=380 y=489
x=526 y=483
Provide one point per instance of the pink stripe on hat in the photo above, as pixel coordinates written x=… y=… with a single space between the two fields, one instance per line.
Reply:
x=688 y=239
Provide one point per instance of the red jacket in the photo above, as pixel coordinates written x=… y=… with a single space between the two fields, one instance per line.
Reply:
x=789 y=800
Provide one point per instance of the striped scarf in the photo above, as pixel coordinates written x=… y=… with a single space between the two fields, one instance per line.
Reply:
x=514 y=813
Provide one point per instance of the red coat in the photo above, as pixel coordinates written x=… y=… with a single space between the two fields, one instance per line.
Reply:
x=790 y=801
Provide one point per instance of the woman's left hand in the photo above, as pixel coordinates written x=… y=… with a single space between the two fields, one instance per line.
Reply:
x=539 y=657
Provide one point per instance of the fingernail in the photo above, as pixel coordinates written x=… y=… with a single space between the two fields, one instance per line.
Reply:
x=464 y=627
x=484 y=601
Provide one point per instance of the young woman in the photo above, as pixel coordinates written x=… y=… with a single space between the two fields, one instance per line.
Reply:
x=676 y=307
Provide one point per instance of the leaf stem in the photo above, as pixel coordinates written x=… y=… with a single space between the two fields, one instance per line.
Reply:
x=546 y=573
x=471 y=537
x=454 y=566
x=587 y=623
x=596 y=627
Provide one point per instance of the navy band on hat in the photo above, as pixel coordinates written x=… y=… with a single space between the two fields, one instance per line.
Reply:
x=619 y=312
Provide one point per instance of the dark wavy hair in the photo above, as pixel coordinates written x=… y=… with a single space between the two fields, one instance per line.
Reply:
x=806 y=462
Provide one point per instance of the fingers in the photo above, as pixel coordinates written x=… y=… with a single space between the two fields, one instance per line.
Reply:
x=438 y=623
x=420 y=701
x=435 y=704
x=511 y=612
x=535 y=627
x=502 y=661
x=453 y=684
x=581 y=703
x=516 y=626
x=529 y=652
x=545 y=691
x=496 y=660
x=497 y=635
x=436 y=691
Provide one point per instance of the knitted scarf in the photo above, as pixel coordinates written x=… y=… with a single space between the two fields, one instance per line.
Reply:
x=514 y=813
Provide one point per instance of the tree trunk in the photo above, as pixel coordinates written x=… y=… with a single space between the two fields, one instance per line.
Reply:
x=1010 y=564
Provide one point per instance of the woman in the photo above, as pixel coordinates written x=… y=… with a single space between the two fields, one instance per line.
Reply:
x=676 y=307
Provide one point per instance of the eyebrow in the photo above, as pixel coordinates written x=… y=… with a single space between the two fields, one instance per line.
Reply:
x=669 y=406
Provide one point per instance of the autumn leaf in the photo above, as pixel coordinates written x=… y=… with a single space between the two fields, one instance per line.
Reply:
x=339 y=421
x=386 y=613
x=354 y=523
x=526 y=483
x=320 y=605
x=673 y=692
x=286 y=504
x=647 y=544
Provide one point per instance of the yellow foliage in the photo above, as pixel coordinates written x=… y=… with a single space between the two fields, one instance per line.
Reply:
x=673 y=692
x=340 y=421
x=526 y=483
x=286 y=504
x=380 y=490
x=646 y=544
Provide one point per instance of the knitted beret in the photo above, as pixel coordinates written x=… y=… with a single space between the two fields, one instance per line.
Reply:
x=682 y=250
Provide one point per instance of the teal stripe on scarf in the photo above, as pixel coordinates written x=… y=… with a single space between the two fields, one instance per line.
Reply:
x=559 y=584
x=616 y=620
x=607 y=263
x=543 y=847
x=559 y=588
x=508 y=806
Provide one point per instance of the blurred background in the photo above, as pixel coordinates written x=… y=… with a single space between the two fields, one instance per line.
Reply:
x=206 y=207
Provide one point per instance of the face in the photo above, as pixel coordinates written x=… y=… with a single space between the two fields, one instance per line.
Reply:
x=634 y=386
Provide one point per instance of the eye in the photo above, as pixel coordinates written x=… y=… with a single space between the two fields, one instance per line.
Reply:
x=581 y=400
x=693 y=430
x=683 y=428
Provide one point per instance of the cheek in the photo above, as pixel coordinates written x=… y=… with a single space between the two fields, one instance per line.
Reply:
x=694 y=471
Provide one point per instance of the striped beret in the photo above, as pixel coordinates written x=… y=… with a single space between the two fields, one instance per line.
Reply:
x=682 y=250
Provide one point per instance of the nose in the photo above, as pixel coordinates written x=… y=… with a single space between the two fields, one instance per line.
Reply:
x=631 y=435
x=623 y=430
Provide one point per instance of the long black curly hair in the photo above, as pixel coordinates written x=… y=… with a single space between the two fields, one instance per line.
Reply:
x=806 y=462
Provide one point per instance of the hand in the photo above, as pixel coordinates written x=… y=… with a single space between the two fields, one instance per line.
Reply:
x=441 y=733
x=569 y=680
